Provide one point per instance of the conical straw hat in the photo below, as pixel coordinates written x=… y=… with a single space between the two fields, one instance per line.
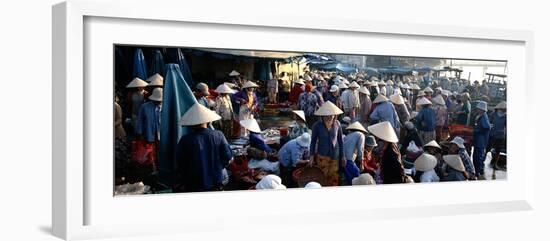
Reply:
x=251 y=125
x=300 y=113
x=438 y=100
x=354 y=85
x=363 y=179
x=415 y=87
x=155 y=80
x=382 y=83
x=328 y=109
x=380 y=98
x=482 y=105
x=455 y=162
x=356 y=126
x=234 y=73
x=342 y=85
x=432 y=144
x=428 y=90
x=224 y=89
x=425 y=162
x=136 y=83
x=333 y=88
x=420 y=93
x=157 y=94
x=198 y=114
x=250 y=84
x=300 y=82
x=423 y=101
x=384 y=131
x=405 y=86
x=231 y=85
x=397 y=99
x=364 y=90
x=307 y=78
x=501 y=105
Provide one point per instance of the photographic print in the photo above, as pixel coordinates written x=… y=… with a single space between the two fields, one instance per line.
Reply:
x=192 y=119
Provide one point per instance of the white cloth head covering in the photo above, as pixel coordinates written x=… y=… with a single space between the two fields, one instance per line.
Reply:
x=501 y=105
x=455 y=162
x=250 y=84
x=328 y=109
x=198 y=114
x=432 y=143
x=458 y=141
x=224 y=89
x=313 y=185
x=155 y=80
x=346 y=119
x=363 y=179
x=300 y=113
x=397 y=99
x=136 y=83
x=425 y=162
x=384 y=131
x=234 y=73
x=356 y=126
x=157 y=94
x=251 y=125
x=270 y=182
x=380 y=98
x=423 y=101
x=438 y=100
x=202 y=87
x=482 y=105
x=333 y=88
x=304 y=140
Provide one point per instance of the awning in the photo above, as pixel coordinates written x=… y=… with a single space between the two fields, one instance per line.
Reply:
x=255 y=54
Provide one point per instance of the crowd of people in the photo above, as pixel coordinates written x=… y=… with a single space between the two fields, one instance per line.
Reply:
x=354 y=129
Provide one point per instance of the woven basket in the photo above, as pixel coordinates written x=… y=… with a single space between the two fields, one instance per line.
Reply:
x=304 y=175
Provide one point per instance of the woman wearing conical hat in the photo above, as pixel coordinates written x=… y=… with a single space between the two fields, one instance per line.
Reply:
x=247 y=102
x=136 y=97
x=365 y=105
x=203 y=153
x=327 y=150
x=391 y=168
x=441 y=117
x=224 y=108
x=354 y=145
x=425 y=121
x=384 y=111
x=453 y=169
x=425 y=166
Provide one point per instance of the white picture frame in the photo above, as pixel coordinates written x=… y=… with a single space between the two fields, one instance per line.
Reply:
x=75 y=199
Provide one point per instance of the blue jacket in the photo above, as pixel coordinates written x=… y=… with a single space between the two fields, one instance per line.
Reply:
x=322 y=140
x=499 y=126
x=291 y=153
x=200 y=158
x=425 y=120
x=385 y=111
x=148 y=122
x=481 y=131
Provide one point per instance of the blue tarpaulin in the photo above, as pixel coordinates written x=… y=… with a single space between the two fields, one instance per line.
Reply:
x=186 y=72
x=140 y=67
x=370 y=70
x=157 y=65
x=177 y=99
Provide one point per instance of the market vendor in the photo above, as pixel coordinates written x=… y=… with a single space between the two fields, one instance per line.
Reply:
x=453 y=169
x=235 y=78
x=425 y=166
x=135 y=98
x=203 y=153
x=426 y=121
x=148 y=120
x=354 y=144
x=401 y=110
x=391 y=169
x=202 y=93
x=482 y=127
x=308 y=102
x=457 y=148
x=326 y=149
x=255 y=137
x=384 y=111
x=299 y=126
x=497 y=136
x=224 y=108
x=247 y=102
x=350 y=100
x=365 y=104
x=292 y=154
x=296 y=91
x=463 y=115
x=370 y=163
